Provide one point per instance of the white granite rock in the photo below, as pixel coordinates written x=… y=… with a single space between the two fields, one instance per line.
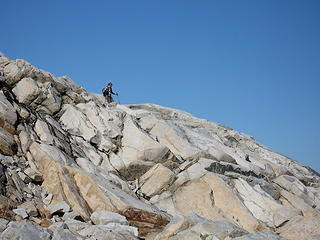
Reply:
x=105 y=217
x=7 y=111
x=58 y=207
x=156 y=179
x=24 y=231
x=26 y=90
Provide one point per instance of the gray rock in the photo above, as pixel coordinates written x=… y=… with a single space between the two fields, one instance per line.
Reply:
x=62 y=232
x=7 y=143
x=3 y=224
x=259 y=236
x=21 y=212
x=62 y=207
x=71 y=215
x=7 y=111
x=34 y=175
x=30 y=208
x=122 y=228
x=26 y=90
x=24 y=231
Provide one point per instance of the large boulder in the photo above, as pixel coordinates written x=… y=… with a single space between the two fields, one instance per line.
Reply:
x=84 y=192
x=105 y=217
x=76 y=123
x=156 y=179
x=263 y=206
x=26 y=90
x=139 y=151
x=7 y=143
x=196 y=227
x=18 y=69
x=7 y=111
x=301 y=228
x=17 y=231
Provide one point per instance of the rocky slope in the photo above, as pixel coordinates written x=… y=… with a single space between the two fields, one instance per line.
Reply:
x=73 y=168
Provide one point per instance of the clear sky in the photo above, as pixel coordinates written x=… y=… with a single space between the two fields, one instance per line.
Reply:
x=252 y=65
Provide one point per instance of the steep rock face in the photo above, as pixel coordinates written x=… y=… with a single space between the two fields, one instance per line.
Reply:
x=67 y=158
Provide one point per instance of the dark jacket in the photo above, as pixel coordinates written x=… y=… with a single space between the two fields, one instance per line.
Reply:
x=107 y=91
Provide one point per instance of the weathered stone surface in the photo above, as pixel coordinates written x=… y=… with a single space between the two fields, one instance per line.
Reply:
x=18 y=69
x=296 y=187
x=3 y=224
x=71 y=215
x=17 y=231
x=58 y=207
x=76 y=123
x=7 y=143
x=195 y=227
x=26 y=90
x=172 y=136
x=147 y=222
x=141 y=150
x=7 y=111
x=60 y=231
x=263 y=206
x=34 y=175
x=42 y=130
x=205 y=194
x=156 y=179
x=122 y=228
x=259 y=236
x=301 y=228
x=52 y=101
x=105 y=217
x=101 y=232
x=30 y=208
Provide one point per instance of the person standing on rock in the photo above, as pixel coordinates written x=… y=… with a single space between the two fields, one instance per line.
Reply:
x=107 y=93
x=2 y=79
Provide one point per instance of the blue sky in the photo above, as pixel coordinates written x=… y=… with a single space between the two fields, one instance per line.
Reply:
x=251 y=65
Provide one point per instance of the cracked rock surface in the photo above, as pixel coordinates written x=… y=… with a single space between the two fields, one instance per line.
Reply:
x=73 y=168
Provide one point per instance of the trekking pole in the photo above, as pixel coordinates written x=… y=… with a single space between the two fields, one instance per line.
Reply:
x=118 y=98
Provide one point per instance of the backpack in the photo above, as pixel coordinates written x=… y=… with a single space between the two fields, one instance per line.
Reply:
x=105 y=91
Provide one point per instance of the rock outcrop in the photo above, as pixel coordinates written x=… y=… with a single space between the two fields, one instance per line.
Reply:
x=73 y=168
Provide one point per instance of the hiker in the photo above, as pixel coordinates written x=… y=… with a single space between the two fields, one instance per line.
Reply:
x=2 y=79
x=107 y=93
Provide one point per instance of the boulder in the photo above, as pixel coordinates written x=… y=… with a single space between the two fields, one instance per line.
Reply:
x=21 y=212
x=3 y=224
x=30 y=208
x=105 y=217
x=205 y=194
x=71 y=215
x=19 y=69
x=21 y=230
x=295 y=186
x=76 y=123
x=43 y=131
x=263 y=206
x=174 y=138
x=7 y=111
x=260 y=236
x=26 y=90
x=117 y=227
x=139 y=151
x=52 y=101
x=196 y=227
x=301 y=228
x=156 y=179
x=7 y=143
x=101 y=232
x=58 y=207
x=34 y=175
